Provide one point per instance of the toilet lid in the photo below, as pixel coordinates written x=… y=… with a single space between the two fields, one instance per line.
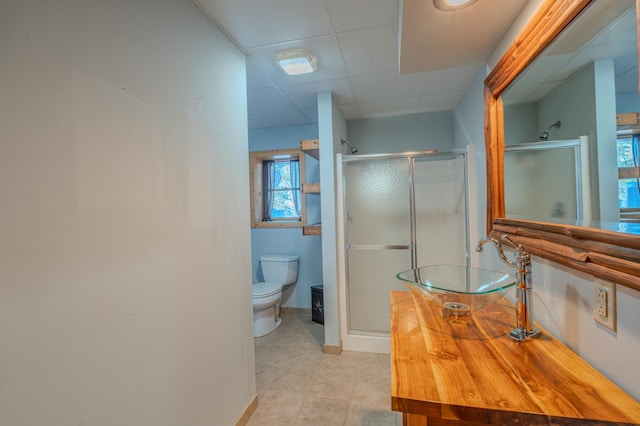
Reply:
x=266 y=289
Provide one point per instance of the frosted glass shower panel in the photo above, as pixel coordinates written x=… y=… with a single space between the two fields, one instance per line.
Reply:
x=440 y=211
x=378 y=195
x=542 y=184
x=371 y=278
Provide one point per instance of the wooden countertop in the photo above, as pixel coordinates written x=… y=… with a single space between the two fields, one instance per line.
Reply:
x=481 y=376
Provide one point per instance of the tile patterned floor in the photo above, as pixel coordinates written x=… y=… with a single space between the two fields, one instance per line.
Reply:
x=299 y=385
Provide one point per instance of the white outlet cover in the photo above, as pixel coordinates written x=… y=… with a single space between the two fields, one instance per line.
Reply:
x=609 y=320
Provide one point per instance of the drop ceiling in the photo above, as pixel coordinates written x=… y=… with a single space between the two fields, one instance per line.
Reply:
x=379 y=57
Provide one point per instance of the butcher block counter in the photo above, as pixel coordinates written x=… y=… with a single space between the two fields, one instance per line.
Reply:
x=469 y=372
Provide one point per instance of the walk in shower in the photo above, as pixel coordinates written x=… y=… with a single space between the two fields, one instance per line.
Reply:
x=399 y=211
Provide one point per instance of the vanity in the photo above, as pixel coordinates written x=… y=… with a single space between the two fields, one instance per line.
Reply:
x=473 y=374
x=449 y=370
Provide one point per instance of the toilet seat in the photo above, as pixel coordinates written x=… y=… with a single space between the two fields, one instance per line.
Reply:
x=266 y=289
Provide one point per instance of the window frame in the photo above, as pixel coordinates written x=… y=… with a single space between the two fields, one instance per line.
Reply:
x=256 y=159
x=628 y=214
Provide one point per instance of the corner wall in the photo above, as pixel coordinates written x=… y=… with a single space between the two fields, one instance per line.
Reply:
x=332 y=127
x=125 y=293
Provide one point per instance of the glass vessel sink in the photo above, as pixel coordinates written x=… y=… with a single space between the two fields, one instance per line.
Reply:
x=458 y=290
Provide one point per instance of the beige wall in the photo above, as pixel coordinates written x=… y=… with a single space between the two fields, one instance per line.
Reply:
x=124 y=227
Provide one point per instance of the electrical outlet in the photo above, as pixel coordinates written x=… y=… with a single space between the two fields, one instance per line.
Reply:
x=604 y=303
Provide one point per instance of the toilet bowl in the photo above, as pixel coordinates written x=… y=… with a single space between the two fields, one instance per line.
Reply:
x=278 y=271
x=266 y=308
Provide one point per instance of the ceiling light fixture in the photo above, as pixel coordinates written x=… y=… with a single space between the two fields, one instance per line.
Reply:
x=297 y=61
x=451 y=5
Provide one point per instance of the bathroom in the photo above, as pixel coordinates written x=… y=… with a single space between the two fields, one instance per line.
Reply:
x=130 y=304
x=563 y=296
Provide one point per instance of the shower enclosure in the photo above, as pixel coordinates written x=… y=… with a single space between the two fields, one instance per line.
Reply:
x=548 y=181
x=399 y=211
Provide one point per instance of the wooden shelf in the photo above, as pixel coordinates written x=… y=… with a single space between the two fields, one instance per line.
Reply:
x=628 y=119
x=312 y=230
x=311 y=147
x=311 y=188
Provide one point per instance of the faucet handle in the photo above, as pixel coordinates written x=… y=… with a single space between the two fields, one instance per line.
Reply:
x=520 y=250
x=511 y=242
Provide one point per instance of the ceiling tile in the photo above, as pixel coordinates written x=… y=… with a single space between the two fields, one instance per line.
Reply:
x=623 y=30
x=450 y=80
x=356 y=43
x=432 y=39
x=255 y=23
x=443 y=102
x=306 y=95
x=325 y=49
x=389 y=107
x=356 y=14
x=381 y=86
x=270 y=106
x=350 y=111
x=544 y=68
x=370 y=50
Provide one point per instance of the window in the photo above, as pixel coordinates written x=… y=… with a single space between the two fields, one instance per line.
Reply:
x=629 y=177
x=276 y=181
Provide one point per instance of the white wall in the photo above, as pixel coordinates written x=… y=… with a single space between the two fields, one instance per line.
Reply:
x=468 y=129
x=563 y=304
x=125 y=293
x=291 y=240
x=332 y=127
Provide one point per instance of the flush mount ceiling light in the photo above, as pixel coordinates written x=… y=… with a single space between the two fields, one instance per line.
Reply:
x=451 y=5
x=295 y=62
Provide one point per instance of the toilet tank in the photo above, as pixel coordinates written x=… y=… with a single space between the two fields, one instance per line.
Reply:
x=282 y=269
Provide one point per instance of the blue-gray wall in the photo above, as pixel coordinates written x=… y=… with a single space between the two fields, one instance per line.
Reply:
x=416 y=132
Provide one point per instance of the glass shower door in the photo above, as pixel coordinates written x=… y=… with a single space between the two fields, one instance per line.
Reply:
x=400 y=212
x=542 y=181
x=440 y=210
x=378 y=237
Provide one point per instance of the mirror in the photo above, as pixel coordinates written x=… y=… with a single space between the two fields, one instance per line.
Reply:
x=573 y=89
x=525 y=95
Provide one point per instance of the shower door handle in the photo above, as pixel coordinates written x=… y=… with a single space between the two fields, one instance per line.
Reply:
x=379 y=247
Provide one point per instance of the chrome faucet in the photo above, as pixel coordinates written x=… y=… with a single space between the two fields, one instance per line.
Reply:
x=524 y=297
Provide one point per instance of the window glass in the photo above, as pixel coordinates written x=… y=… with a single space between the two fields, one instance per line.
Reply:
x=628 y=171
x=285 y=193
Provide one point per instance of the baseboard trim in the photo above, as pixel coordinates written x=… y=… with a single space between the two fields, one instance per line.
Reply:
x=333 y=349
x=244 y=418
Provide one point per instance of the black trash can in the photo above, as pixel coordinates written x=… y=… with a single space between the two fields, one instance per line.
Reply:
x=317 y=304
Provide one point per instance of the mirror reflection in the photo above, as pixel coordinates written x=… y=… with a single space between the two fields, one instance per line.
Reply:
x=571 y=126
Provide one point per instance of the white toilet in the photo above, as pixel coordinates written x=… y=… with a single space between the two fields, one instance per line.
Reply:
x=278 y=271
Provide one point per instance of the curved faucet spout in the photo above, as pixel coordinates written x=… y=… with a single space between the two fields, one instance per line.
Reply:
x=498 y=247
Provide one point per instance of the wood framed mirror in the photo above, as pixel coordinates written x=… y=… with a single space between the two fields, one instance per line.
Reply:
x=595 y=250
